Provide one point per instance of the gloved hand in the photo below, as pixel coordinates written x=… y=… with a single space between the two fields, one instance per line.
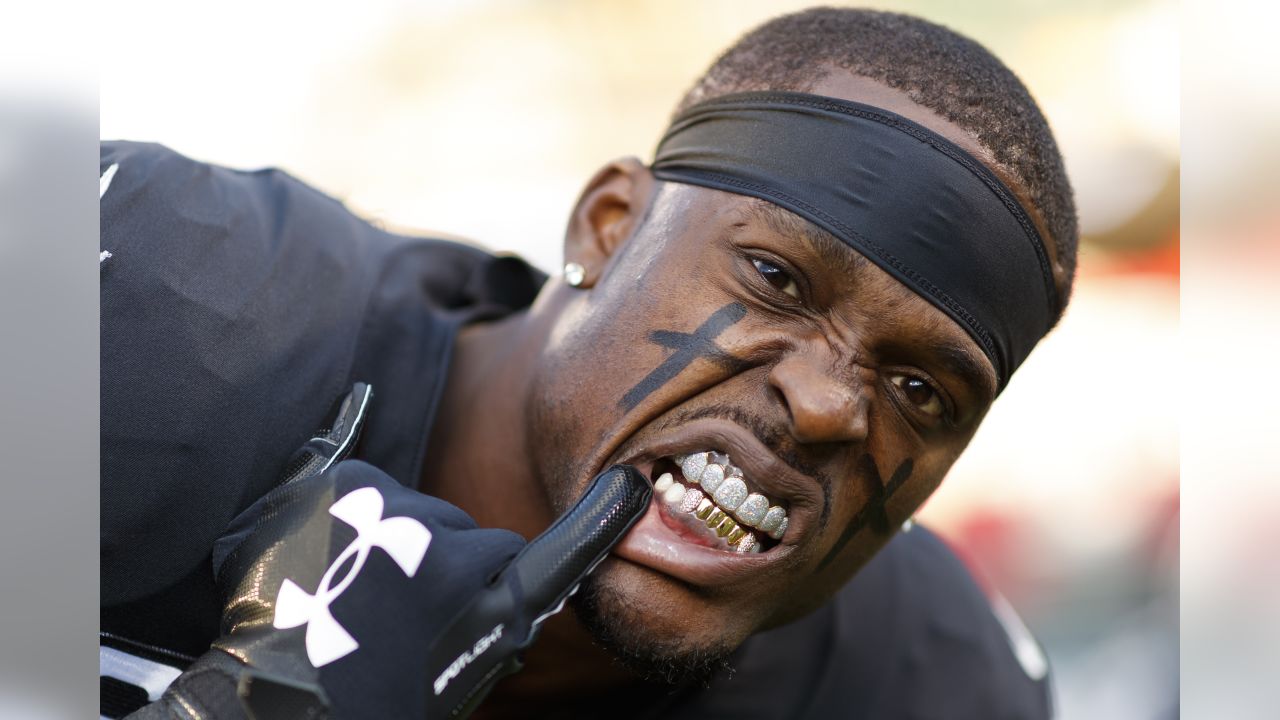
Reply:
x=348 y=595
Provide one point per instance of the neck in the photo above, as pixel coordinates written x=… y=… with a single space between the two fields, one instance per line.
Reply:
x=477 y=460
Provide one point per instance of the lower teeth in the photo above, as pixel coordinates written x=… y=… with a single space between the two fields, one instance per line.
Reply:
x=692 y=499
x=726 y=527
x=739 y=538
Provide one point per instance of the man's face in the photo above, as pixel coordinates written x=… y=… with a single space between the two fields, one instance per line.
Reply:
x=724 y=325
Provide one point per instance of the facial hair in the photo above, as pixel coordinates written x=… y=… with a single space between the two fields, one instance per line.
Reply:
x=620 y=629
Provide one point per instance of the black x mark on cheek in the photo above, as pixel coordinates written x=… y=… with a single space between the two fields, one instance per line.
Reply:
x=873 y=513
x=687 y=347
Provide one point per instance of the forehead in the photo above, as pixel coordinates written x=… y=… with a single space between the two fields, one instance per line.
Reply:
x=842 y=84
x=847 y=288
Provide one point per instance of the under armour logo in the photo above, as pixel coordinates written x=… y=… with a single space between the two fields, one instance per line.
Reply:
x=403 y=538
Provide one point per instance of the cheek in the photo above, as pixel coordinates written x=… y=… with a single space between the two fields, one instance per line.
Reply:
x=928 y=477
x=640 y=340
x=597 y=343
x=865 y=510
x=857 y=509
x=599 y=349
x=588 y=334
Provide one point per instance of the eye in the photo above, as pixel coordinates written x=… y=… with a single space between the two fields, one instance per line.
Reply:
x=919 y=393
x=777 y=277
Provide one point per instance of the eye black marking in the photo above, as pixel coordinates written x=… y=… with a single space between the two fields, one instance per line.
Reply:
x=873 y=513
x=688 y=347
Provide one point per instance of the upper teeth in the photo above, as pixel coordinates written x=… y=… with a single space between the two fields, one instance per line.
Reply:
x=753 y=509
x=726 y=487
x=730 y=494
x=710 y=478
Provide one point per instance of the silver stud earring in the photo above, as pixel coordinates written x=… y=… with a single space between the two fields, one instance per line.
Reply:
x=574 y=274
x=910 y=523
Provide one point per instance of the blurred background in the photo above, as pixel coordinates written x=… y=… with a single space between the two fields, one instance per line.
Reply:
x=484 y=118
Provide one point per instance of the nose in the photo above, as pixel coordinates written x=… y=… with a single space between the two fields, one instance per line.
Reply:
x=824 y=408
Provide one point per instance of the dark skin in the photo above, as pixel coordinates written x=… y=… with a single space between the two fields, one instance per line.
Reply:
x=709 y=326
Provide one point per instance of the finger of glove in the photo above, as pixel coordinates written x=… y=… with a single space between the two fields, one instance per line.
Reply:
x=550 y=567
x=483 y=642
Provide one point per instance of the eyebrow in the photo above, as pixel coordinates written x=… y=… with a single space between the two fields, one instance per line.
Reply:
x=959 y=361
x=831 y=249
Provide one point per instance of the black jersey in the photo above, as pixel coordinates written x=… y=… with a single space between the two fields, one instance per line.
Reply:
x=238 y=307
x=910 y=636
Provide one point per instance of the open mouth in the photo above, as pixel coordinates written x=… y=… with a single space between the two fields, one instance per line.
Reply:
x=716 y=503
x=726 y=509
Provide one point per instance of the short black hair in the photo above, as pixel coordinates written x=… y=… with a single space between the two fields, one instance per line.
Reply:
x=937 y=68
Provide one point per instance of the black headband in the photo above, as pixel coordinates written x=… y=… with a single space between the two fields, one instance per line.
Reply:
x=911 y=201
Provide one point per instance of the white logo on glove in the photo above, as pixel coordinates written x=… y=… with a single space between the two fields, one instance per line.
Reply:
x=403 y=538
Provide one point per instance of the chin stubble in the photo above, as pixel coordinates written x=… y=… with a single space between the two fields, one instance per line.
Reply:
x=620 y=629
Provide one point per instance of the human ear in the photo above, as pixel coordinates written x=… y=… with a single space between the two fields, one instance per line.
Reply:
x=606 y=214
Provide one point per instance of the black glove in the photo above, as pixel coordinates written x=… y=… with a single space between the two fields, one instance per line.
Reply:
x=348 y=595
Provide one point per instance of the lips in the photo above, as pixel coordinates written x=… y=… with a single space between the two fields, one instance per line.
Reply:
x=746 y=498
